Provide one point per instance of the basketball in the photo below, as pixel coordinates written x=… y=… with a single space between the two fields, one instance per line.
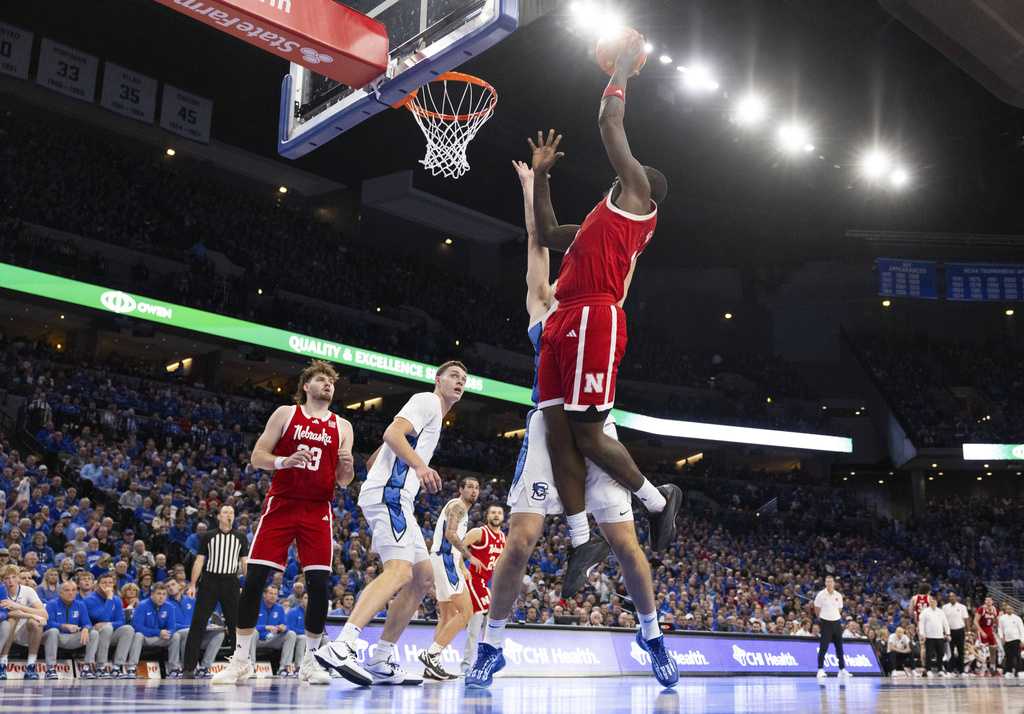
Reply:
x=608 y=49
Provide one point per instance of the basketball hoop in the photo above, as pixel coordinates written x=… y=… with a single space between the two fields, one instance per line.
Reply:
x=450 y=111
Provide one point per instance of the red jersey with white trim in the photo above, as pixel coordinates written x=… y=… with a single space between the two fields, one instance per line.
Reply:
x=595 y=267
x=919 y=603
x=487 y=550
x=321 y=437
x=987 y=617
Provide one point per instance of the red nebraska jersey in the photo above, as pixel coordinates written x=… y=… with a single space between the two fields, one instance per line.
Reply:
x=986 y=617
x=595 y=267
x=314 y=482
x=486 y=550
x=919 y=603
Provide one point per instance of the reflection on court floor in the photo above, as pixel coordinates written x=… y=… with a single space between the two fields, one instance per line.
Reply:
x=633 y=695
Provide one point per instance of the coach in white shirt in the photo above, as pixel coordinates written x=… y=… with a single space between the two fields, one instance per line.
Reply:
x=934 y=628
x=828 y=606
x=1011 y=632
x=956 y=615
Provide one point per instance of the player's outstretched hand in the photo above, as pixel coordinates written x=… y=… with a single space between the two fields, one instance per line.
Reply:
x=524 y=172
x=430 y=479
x=629 y=57
x=298 y=460
x=545 y=151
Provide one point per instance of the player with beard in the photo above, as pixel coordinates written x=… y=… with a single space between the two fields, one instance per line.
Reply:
x=486 y=544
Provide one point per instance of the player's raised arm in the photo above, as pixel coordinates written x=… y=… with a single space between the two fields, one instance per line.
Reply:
x=538 y=262
x=262 y=453
x=545 y=155
x=635 y=196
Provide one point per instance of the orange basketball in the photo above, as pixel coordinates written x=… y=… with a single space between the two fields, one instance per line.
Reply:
x=608 y=49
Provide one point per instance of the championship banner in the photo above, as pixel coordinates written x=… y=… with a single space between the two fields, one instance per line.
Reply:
x=323 y=36
x=128 y=93
x=67 y=70
x=984 y=281
x=588 y=652
x=186 y=114
x=96 y=297
x=15 y=50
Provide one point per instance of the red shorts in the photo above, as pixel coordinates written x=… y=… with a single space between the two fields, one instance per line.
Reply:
x=580 y=352
x=310 y=524
x=479 y=594
x=987 y=636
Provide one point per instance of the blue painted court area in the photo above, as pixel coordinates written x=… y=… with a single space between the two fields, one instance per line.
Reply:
x=633 y=695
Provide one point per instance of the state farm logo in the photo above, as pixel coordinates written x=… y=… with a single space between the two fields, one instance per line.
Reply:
x=314 y=57
x=117 y=301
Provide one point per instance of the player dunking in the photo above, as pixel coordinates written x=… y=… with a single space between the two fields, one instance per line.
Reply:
x=486 y=544
x=309 y=449
x=531 y=500
x=396 y=471
x=584 y=340
x=447 y=558
x=985 y=618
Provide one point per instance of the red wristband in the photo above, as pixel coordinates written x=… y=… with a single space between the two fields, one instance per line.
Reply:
x=614 y=90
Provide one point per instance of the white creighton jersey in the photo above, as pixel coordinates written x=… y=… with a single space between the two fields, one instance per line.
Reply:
x=441 y=545
x=391 y=480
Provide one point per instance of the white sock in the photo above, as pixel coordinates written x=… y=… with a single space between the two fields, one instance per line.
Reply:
x=579 y=528
x=349 y=633
x=313 y=641
x=435 y=649
x=31 y=660
x=3 y=659
x=243 y=646
x=495 y=634
x=383 y=650
x=651 y=497
x=649 y=625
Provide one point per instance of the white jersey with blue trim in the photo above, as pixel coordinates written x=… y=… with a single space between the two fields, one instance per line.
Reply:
x=390 y=480
x=440 y=544
x=535 y=332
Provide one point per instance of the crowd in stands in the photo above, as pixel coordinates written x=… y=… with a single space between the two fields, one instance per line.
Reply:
x=123 y=473
x=949 y=391
x=64 y=176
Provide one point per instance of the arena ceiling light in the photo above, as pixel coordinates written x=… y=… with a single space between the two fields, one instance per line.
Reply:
x=875 y=164
x=794 y=138
x=665 y=59
x=750 y=110
x=698 y=78
x=899 y=178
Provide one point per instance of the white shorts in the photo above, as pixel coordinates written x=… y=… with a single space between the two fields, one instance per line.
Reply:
x=449 y=578
x=395 y=534
x=533 y=486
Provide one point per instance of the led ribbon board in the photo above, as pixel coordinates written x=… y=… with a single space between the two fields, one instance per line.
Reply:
x=993 y=452
x=97 y=297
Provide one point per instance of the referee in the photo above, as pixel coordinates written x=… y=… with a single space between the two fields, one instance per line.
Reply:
x=828 y=606
x=222 y=553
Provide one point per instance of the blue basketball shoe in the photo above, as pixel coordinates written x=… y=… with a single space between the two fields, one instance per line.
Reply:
x=662 y=664
x=489 y=661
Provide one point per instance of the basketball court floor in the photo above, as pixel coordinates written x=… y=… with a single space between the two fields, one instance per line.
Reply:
x=633 y=695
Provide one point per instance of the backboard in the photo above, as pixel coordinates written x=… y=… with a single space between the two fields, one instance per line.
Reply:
x=426 y=38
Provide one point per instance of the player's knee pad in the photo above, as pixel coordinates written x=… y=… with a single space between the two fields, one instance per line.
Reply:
x=252 y=592
x=317 y=585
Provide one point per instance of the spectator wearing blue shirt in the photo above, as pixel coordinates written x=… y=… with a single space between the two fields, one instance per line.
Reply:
x=68 y=626
x=192 y=542
x=40 y=548
x=272 y=628
x=50 y=588
x=212 y=639
x=296 y=621
x=92 y=470
x=109 y=627
x=155 y=626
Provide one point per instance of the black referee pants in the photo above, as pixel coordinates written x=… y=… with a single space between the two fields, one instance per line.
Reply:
x=831 y=633
x=212 y=589
x=956 y=650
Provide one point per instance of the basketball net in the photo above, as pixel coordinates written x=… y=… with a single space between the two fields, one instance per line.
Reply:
x=450 y=111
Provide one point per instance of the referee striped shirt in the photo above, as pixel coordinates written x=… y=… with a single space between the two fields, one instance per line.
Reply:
x=222 y=551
